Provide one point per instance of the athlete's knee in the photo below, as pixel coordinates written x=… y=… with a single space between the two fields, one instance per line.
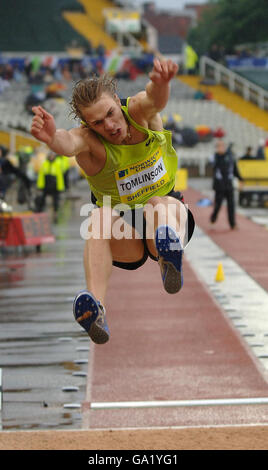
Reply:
x=127 y=250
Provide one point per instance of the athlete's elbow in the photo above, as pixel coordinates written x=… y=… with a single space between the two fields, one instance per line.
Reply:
x=62 y=150
x=63 y=144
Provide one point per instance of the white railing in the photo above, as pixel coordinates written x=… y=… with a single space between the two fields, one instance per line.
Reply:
x=1 y=398
x=224 y=76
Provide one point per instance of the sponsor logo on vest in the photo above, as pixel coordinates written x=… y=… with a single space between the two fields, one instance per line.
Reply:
x=122 y=173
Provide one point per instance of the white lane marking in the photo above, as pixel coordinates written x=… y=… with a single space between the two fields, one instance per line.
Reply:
x=0 y=389
x=180 y=403
x=242 y=299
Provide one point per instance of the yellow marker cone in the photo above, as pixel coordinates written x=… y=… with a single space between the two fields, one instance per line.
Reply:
x=220 y=273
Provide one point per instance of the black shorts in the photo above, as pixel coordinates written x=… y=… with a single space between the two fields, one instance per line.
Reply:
x=131 y=218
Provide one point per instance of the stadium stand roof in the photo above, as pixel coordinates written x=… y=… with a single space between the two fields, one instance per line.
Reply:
x=37 y=26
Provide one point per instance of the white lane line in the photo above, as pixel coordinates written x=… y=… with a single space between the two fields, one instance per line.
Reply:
x=1 y=398
x=243 y=300
x=179 y=428
x=180 y=403
x=91 y=364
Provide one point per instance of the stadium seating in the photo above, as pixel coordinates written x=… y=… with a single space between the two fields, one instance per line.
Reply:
x=91 y=30
x=233 y=101
x=193 y=113
x=238 y=130
x=94 y=9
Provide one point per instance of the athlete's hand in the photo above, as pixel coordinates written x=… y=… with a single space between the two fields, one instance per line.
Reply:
x=163 y=71
x=43 y=125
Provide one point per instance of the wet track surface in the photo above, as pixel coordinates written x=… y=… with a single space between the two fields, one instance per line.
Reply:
x=43 y=352
x=45 y=356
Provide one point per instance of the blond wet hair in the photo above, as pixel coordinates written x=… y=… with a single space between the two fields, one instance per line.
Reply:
x=89 y=90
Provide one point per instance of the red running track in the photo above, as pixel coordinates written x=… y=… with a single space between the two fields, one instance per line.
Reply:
x=177 y=347
x=248 y=245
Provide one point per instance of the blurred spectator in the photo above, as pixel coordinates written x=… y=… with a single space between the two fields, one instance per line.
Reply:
x=248 y=155
x=261 y=150
x=58 y=73
x=41 y=73
x=214 y=53
x=224 y=171
x=89 y=50
x=24 y=155
x=65 y=164
x=34 y=99
x=4 y=84
x=245 y=54
x=66 y=74
x=7 y=169
x=18 y=76
x=27 y=67
x=6 y=72
x=55 y=90
x=50 y=182
x=48 y=75
x=100 y=50
x=190 y=60
x=217 y=53
x=222 y=54
x=99 y=68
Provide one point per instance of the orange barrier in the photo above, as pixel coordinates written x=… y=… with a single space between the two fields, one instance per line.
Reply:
x=25 y=229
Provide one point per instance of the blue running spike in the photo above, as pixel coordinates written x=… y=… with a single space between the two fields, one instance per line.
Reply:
x=91 y=315
x=170 y=254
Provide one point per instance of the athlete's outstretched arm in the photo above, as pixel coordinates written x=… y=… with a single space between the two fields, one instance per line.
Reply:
x=148 y=103
x=158 y=88
x=60 y=141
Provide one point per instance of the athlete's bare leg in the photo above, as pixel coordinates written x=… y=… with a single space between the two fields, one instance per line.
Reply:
x=106 y=242
x=103 y=247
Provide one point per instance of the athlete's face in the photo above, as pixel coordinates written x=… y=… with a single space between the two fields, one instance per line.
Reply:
x=106 y=118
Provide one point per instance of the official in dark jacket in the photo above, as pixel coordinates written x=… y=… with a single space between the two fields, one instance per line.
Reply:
x=6 y=170
x=224 y=171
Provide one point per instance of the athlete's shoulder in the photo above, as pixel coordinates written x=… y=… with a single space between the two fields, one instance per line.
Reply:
x=137 y=110
x=85 y=136
x=135 y=102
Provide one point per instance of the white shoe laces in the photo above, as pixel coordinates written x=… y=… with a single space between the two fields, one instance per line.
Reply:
x=101 y=315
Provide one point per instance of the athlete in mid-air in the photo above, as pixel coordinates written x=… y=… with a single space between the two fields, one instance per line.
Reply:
x=129 y=161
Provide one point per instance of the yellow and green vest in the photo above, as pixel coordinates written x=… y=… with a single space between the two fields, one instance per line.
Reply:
x=134 y=173
x=52 y=168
